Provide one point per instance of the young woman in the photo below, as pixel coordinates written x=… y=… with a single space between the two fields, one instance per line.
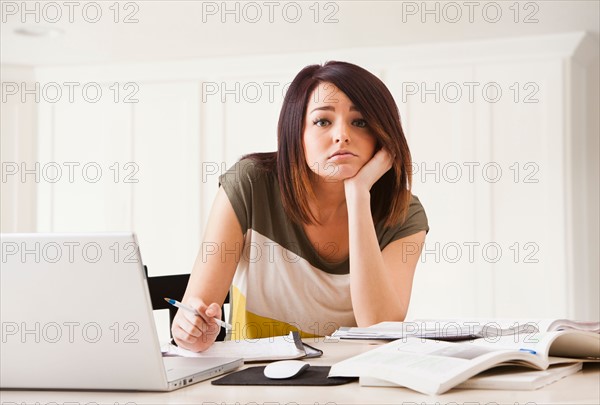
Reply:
x=322 y=233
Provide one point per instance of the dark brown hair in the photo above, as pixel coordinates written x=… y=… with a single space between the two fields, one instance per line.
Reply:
x=390 y=195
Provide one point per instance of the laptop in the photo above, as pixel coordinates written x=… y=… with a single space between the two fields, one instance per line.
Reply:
x=76 y=314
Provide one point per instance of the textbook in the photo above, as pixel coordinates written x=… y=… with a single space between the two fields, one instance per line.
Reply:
x=503 y=378
x=461 y=329
x=265 y=349
x=517 y=378
x=435 y=366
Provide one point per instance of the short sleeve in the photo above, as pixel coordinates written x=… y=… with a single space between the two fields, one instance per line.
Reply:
x=416 y=221
x=237 y=182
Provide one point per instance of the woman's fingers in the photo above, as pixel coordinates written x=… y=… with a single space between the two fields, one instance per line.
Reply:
x=183 y=336
x=213 y=311
x=192 y=325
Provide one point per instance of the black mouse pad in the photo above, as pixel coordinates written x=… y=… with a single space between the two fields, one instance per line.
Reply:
x=314 y=375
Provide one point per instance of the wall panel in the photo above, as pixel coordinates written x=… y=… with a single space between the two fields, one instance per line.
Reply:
x=86 y=163
x=17 y=152
x=528 y=207
x=166 y=202
x=438 y=119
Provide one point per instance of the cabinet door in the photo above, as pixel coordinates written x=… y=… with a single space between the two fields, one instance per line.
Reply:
x=83 y=149
x=166 y=199
x=243 y=111
x=438 y=120
x=17 y=152
x=251 y=120
x=525 y=127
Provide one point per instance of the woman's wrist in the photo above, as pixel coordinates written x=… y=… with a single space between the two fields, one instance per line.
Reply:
x=355 y=191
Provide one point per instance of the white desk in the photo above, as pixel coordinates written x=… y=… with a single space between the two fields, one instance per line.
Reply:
x=581 y=388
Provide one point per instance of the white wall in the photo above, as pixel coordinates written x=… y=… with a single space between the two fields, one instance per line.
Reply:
x=179 y=135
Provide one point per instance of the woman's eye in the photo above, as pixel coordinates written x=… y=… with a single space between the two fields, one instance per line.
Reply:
x=360 y=123
x=320 y=122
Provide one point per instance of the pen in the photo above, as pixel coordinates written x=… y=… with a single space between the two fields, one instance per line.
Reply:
x=178 y=304
x=528 y=351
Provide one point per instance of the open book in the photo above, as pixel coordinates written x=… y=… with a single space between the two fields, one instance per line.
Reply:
x=518 y=378
x=502 y=378
x=434 y=366
x=461 y=329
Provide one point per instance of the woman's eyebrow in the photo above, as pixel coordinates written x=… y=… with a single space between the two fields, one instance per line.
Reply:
x=331 y=108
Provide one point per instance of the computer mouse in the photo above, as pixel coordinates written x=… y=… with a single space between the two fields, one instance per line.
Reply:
x=280 y=370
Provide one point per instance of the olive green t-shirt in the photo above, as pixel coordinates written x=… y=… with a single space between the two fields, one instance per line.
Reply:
x=281 y=282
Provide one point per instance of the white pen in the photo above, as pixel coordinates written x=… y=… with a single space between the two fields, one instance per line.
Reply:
x=178 y=304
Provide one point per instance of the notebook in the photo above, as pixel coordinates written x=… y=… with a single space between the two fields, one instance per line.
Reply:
x=252 y=350
x=76 y=314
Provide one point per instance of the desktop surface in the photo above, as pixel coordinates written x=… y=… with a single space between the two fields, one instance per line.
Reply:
x=580 y=388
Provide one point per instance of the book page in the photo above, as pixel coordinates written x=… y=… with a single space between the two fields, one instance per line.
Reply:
x=571 y=344
x=427 y=366
x=444 y=329
x=566 y=324
x=265 y=349
x=482 y=327
x=415 y=356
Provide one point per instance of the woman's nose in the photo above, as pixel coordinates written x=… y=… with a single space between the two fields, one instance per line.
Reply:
x=342 y=134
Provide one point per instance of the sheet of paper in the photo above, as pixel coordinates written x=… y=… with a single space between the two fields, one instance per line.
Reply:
x=272 y=348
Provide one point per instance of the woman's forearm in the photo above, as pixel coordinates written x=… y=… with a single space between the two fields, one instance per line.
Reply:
x=374 y=298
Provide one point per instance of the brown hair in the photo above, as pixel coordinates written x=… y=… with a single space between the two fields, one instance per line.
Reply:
x=390 y=195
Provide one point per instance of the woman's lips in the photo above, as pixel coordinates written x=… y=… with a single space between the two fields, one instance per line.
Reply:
x=341 y=155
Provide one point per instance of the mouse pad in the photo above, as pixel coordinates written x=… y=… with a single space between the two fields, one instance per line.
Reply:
x=315 y=375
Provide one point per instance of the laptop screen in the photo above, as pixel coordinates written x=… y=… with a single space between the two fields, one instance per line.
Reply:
x=76 y=313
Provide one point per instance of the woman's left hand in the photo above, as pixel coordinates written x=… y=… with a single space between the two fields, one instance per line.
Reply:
x=372 y=171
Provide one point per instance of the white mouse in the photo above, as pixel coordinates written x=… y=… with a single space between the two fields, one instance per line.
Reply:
x=280 y=370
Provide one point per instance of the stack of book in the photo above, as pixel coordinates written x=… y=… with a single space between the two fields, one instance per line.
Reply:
x=433 y=356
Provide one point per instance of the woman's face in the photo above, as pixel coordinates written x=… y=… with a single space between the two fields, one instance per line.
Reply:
x=337 y=140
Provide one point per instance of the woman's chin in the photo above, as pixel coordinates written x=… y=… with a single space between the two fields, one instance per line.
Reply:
x=339 y=175
x=335 y=172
